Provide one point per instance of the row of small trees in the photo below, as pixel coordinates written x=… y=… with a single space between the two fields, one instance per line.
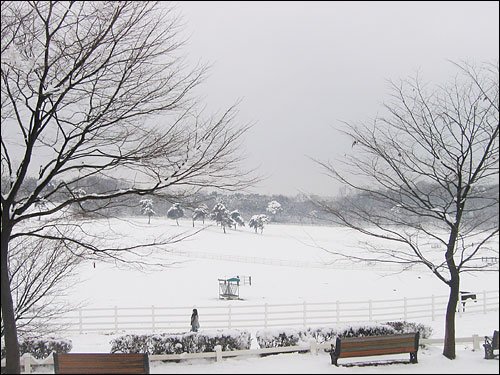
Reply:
x=220 y=214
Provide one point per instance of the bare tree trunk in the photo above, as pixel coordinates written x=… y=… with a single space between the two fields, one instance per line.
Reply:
x=12 y=358
x=454 y=283
x=449 y=334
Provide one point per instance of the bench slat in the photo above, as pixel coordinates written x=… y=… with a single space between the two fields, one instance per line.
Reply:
x=402 y=337
x=381 y=342
x=365 y=353
x=101 y=363
x=409 y=346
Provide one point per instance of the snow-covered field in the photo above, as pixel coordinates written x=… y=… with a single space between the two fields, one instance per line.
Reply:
x=293 y=274
x=192 y=279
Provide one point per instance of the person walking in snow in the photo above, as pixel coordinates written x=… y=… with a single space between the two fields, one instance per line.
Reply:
x=195 y=323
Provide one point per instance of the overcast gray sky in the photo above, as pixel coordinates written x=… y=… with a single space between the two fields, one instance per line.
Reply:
x=301 y=68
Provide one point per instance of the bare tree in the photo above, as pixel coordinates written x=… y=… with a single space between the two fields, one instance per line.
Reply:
x=93 y=89
x=41 y=272
x=425 y=170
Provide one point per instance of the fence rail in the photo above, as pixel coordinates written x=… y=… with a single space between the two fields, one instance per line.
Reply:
x=27 y=361
x=238 y=314
x=491 y=262
x=338 y=264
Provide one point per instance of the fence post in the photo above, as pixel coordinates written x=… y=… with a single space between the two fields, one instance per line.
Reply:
x=305 y=315
x=265 y=315
x=370 y=310
x=116 y=318
x=229 y=316
x=475 y=342
x=27 y=363
x=153 y=326
x=432 y=307
x=314 y=348
x=337 y=313
x=484 y=302
x=218 y=353
x=80 y=320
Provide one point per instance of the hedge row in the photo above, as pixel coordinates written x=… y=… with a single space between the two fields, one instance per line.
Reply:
x=41 y=347
x=272 y=338
x=229 y=339
x=268 y=338
x=192 y=342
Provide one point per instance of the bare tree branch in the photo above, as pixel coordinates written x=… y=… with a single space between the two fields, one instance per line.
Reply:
x=100 y=89
x=427 y=170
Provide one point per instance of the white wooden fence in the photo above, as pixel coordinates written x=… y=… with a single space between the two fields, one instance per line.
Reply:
x=338 y=264
x=240 y=314
x=28 y=362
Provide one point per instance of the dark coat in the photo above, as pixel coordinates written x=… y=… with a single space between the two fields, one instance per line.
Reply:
x=195 y=323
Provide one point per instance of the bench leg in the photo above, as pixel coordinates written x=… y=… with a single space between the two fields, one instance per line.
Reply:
x=413 y=357
x=334 y=358
x=488 y=351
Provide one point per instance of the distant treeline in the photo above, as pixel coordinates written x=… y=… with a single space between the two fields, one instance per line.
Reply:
x=298 y=209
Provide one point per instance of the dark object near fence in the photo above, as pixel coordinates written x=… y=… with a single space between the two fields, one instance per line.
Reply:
x=100 y=363
x=490 y=344
x=464 y=296
x=375 y=345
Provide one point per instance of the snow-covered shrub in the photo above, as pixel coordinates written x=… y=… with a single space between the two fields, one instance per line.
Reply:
x=228 y=339
x=369 y=329
x=221 y=216
x=130 y=344
x=274 y=208
x=276 y=338
x=237 y=218
x=270 y=338
x=175 y=212
x=165 y=344
x=147 y=208
x=42 y=347
x=258 y=221
x=330 y=333
x=323 y=334
x=410 y=327
x=200 y=213
x=191 y=342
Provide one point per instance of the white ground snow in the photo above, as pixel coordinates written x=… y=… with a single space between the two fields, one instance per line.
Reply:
x=192 y=281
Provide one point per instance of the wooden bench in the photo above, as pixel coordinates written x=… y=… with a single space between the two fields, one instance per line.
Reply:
x=490 y=344
x=100 y=363
x=376 y=345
